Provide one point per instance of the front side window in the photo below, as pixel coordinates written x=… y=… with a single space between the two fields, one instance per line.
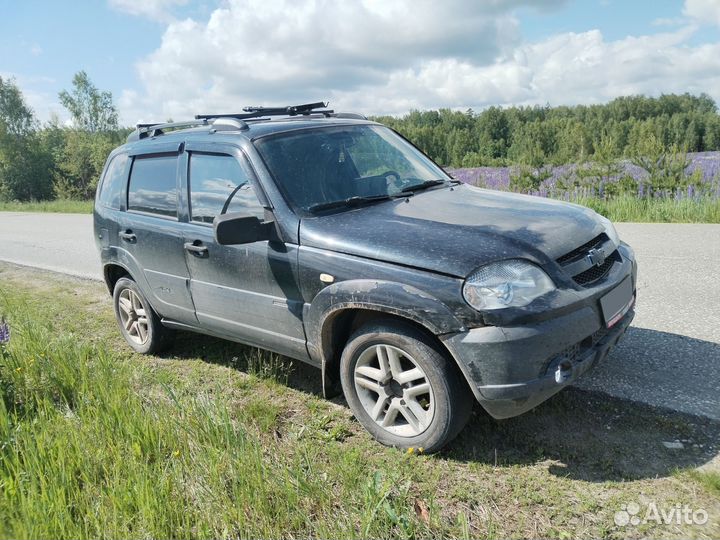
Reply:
x=217 y=180
x=153 y=186
x=113 y=182
x=319 y=166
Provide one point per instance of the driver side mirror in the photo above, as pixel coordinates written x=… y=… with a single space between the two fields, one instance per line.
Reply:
x=238 y=228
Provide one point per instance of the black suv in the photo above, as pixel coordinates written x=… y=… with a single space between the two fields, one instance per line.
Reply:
x=331 y=239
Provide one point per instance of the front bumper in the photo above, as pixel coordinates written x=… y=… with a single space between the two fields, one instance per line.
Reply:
x=512 y=369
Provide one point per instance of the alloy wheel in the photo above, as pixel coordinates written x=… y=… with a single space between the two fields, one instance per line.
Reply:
x=133 y=316
x=394 y=390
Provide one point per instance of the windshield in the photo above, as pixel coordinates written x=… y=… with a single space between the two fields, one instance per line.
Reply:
x=368 y=163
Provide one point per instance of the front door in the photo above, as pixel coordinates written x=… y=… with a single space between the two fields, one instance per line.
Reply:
x=248 y=292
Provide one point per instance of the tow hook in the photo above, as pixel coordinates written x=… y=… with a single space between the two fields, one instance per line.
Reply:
x=563 y=372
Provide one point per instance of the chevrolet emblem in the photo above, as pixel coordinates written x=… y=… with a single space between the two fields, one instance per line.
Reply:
x=596 y=257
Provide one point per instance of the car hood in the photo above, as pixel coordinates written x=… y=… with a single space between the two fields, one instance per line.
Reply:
x=453 y=231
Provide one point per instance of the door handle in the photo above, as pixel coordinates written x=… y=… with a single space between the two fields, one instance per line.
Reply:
x=196 y=248
x=128 y=236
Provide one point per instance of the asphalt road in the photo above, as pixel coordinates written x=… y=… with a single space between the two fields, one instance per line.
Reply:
x=669 y=358
x=59 y=242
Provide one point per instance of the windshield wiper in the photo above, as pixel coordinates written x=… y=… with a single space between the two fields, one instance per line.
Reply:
x=427 y=184
x=357 y=200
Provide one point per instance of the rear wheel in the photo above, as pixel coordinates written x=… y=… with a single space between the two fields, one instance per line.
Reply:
x=139 y=324
x=402 y=389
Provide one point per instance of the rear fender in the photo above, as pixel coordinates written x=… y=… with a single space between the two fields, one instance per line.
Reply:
x=120 y=257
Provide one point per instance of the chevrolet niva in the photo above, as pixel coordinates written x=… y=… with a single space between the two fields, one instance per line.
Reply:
x=331 y=239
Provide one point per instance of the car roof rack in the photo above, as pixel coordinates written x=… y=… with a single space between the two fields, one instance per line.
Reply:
x=256 y=112
x=235 y=122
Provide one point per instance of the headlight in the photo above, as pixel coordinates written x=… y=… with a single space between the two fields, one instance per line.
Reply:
x=609 y=229
x=514 y=282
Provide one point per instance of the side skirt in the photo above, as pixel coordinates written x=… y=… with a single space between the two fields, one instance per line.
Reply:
x=169 y=323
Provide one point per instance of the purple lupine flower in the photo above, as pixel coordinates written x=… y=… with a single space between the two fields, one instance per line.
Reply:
x=707 y=163
x=4 y=332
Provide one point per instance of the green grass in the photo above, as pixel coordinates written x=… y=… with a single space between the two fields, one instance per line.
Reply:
x=709 y=479
x=218 y=440
x=632 y=209
x=62 y=206
x=87 y=453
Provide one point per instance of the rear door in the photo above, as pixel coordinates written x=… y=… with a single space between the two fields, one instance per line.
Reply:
x=248 y=292
x=108 y=201
x=151 y=236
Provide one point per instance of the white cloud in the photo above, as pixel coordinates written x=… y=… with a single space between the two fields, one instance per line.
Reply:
x=669 y=21
x=389 y=56
x=703 y=11
x=158 y=10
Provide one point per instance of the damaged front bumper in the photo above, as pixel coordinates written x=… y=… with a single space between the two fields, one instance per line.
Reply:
x=512 y=369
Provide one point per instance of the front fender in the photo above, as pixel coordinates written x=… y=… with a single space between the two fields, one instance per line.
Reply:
x=383 y=296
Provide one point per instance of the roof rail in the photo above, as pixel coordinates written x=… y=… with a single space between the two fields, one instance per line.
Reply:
x=143 y=131
x=255 y=112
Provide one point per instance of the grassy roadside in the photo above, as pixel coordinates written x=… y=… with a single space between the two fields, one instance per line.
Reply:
x=626 y=208
x=632 y=209
x=61 y=206
x=216 y=440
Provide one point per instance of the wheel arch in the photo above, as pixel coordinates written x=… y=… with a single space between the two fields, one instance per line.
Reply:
x=112 y=272
x=338 y=310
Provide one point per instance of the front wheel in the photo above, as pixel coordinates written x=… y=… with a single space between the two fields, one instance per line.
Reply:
x=402 y=389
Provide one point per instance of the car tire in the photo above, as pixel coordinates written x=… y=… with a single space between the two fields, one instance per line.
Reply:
x=402 y=388
x=138 y=322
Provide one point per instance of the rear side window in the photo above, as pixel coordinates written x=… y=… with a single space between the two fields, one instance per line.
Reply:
x=152 y=185
x=215 y=179
x=113 y=182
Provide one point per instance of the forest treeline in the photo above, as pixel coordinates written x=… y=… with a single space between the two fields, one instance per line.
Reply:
x=52 y=160
x=41 y=161
x=536 y=136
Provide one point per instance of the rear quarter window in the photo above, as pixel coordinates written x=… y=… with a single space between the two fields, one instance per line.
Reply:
x=113 y=182
x=153 y=186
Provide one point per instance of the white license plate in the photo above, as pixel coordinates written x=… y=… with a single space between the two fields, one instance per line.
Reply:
x=617 y=302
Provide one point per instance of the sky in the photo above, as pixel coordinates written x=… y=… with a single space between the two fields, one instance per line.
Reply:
x=165 y=59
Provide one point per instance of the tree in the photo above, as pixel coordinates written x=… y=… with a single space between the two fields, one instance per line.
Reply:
x=566 y=134
x=91 y=109
x=16 y=117
x=666 y=167
x=24 y=165
x=80 y=162
x=493 y=132
x=25 y=171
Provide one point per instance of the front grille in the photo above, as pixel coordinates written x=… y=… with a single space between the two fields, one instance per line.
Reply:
x=580 y=252
x=597 y=272
x=583 y=272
